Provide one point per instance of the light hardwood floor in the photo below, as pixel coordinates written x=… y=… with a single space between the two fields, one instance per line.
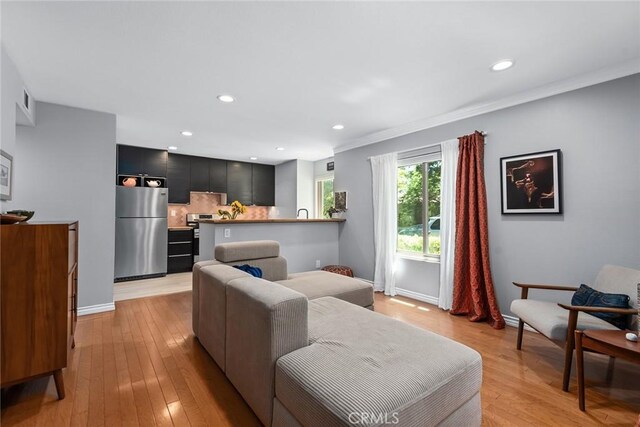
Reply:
x=141 y=365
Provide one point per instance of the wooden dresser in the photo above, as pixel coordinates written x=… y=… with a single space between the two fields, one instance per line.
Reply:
x=39 y=300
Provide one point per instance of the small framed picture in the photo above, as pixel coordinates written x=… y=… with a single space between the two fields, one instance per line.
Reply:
x=329 y=166
x=6 y=175
x=532 y=183
x=340 y=200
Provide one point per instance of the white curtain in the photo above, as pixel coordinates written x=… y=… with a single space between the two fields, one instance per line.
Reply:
x=447 y=221
x=384 y=170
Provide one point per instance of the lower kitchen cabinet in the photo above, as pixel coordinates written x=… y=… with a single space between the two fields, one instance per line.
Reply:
x=180 y=251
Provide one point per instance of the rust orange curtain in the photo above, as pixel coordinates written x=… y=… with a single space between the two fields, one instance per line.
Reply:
x=473 y=293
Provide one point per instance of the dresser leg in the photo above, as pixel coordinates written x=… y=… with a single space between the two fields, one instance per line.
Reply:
x=59 y=380
x=73 y=342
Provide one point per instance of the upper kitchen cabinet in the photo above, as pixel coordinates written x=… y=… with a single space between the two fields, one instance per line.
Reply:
x=179 y=178
x=217 y=176
x=141 y=161
x=239 y=182
x=263 y=184
x=199 y=174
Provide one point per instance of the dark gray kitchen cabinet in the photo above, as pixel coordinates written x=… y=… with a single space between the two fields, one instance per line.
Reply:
x=239 y=183
x=179 y=178
x=141 y=161
x=263 y=179
x=199 y=174
x=217 y=176
x=180 y=251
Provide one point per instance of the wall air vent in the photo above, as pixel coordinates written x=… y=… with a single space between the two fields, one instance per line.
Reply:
x=25 y=109
x=26 y=100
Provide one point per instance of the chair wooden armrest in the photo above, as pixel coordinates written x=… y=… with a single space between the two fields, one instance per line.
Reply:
x=599 y=309
x=526 y=286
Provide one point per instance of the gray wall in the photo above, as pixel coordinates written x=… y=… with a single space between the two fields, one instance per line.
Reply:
x=11 y=85
x=66 y=171
x=598 y=130
x=302 y=244
x=286 y=189
x=305 y=189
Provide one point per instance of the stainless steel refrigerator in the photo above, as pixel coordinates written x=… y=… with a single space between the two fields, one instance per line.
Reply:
x=141 y=232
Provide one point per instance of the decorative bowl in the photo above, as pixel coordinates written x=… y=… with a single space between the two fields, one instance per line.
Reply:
x=11 y=219
x=19 y=212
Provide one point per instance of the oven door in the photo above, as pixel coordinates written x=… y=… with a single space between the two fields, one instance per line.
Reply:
x=196 y=239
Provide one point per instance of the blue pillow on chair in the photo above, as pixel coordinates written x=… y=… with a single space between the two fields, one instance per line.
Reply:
x=589 y=297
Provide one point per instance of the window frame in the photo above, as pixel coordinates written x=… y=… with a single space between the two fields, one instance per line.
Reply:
x=319 y=197
x=423 y=160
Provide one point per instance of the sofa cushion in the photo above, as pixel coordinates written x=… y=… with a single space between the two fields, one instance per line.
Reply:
x=394 y=370
x=551 y=320
x=317 y=284
x=238 y=251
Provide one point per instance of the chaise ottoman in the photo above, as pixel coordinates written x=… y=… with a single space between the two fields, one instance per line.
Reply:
x=397 y=374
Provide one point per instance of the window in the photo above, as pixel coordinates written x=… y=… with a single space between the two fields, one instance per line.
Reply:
x=419 y=205
x=324 y=197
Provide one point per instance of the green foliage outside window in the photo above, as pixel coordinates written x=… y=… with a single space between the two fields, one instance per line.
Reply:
x=327 y=197
x=411 y=203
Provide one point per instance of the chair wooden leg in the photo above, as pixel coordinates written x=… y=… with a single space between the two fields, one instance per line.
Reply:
x=580 y=367
x=569 y=346
x=59 y=380
x=520 y=330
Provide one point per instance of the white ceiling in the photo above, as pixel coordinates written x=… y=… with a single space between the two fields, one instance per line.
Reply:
x=297 y=68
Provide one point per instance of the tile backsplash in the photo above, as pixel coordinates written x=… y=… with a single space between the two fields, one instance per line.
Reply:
x=208 y=203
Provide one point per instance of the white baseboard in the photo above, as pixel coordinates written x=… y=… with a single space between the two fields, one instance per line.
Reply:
x=417 y=296
x=92 y=309
x=513 y=322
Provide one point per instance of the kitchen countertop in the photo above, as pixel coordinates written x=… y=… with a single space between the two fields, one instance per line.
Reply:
x=267 y=221
x=182 y=227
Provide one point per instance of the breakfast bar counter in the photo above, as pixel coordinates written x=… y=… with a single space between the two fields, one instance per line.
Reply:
x=268 y=221
x=307 y=244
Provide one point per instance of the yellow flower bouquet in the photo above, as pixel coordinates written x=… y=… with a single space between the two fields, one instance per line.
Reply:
x=237 y=208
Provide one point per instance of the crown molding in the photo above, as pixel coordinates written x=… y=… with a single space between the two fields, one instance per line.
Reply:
x=589 y=79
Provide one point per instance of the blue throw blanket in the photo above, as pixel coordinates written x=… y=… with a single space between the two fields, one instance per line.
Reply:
x=254 y=271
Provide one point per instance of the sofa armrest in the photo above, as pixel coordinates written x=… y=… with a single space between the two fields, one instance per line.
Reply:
x=599 y=309
x=265 y=321
x=526 y=286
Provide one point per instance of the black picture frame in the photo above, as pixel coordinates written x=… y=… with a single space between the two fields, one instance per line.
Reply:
x=6 y=175
x=531 y=183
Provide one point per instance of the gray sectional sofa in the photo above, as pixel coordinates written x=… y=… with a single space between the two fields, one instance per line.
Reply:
x=303 y=361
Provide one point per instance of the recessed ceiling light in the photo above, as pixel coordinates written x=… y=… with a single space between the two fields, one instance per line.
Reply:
x=502 y=65
x=172 y=147
x=280 y=148
x=253 y=158
x=226 y=98
x=186 y=133
x=338 y=127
